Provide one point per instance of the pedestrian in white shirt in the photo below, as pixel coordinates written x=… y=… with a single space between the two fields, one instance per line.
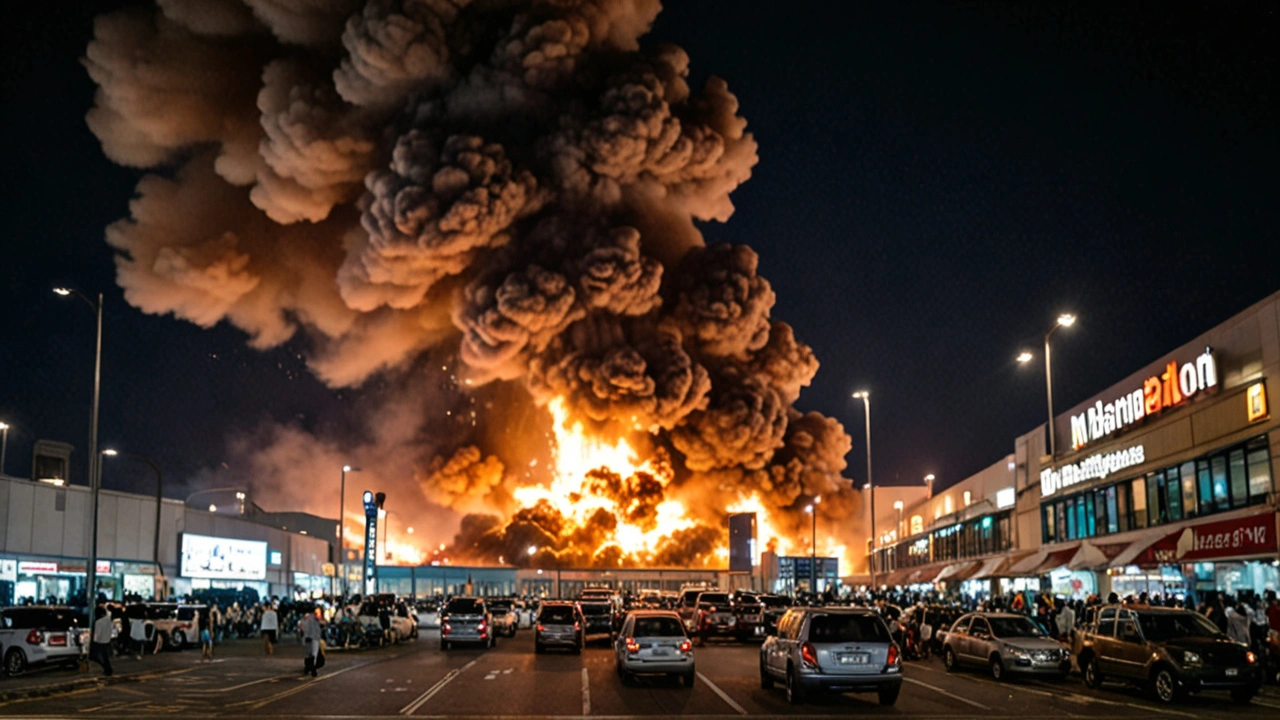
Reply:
x=269 y=626
x=100 y=640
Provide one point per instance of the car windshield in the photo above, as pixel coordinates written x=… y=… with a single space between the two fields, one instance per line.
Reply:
x=465 y=606
x=595 y=608
x=1007 y=627
x=40 y=618
x=1160 y=627
x=658 y=627
x=556 y=615
x=714 y=598
x=774 y=601
x=847 y=628
x=500 y=607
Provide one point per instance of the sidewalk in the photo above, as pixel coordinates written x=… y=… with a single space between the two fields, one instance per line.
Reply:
x=41 y=683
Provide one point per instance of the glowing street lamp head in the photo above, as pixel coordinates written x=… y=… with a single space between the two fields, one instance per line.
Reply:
x=808 y=509
x=409 y=530
x=62 y=291
x=817 y=499
x=110 y=453
x=4 y=426
x=533 y=550
x=897 y=505
x=1066 y=320
x=239 y=496
x=368 y=496
x=350 y=468
x=929 y=477
x=861 y=394
x=213 y=508
x=1024 y=357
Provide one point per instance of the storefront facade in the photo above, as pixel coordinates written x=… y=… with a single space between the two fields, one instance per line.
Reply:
x=1165 y=483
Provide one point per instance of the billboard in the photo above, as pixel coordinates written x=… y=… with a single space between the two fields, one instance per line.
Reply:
x=222 y=558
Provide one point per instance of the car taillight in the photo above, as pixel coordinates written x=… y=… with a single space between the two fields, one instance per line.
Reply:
x=481 y=626
x=444 y=628
x=893 y=655
x=576 y=626
x=1250 y=658
x=540 y=628
x=686 y=647
x=809 y=655
x=35 y=637
x=633 y=646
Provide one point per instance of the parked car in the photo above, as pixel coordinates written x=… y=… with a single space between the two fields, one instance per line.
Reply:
x=597 y=619
x=775 y=606
x=505 y=620
x=687 y=605
x=749 y=611
x=1171 y=652
x=559 y=624
x=428 y=613
x=1005 y=643
x=466 y=620
x=36 y=635
x=653 y=642
x=715 y=617
x=836 y=649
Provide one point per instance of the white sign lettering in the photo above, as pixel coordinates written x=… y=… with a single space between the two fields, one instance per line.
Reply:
x=1091 y=468
x=1159 y=392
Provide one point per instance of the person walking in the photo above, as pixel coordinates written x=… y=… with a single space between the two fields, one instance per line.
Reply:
x=100 y=639
x=215 y=623
x=206 y=634
x=269 y=626
x=137 y=616
x=311 y=638
x=1237 y=623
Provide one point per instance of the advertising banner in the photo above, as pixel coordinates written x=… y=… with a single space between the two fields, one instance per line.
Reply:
x=222 y=558
x=1250 y=536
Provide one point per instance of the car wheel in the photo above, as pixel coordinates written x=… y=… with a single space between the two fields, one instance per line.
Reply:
x=1164 y=686
x=1092 y=674
x=690 y=678
x=15 y=662
x=1243 y=696
x=949 y=659
x=997 y=668
x=177 y=640
x=889 y=695
x=795 y=693
x=766 y=680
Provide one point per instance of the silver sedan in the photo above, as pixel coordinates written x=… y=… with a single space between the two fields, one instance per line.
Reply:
x=653 y=642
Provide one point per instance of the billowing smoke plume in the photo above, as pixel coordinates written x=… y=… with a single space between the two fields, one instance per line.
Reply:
x=511 y=186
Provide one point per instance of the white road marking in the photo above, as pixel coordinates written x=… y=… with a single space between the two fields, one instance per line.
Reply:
x=586 y=693
x=431 y=691
x=951 y=695
x=723 y=695
x=281 y=695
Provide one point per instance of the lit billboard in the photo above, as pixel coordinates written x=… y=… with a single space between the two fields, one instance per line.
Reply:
x=222 y=558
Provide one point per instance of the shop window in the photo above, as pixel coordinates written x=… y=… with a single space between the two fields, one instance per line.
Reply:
x=1138 y=496
x=1259 y=474
x=1189 y=489
x=1099 y=500
x=1113 y=517
x=1239 y=479
x=1091 y=517
x=1155 y=483
x=1123 y=506
x=1173 y=494
x=1081 y=527
x=1204 y=481
x=1071 y=521
x=1062 y=521
x=1221 y=499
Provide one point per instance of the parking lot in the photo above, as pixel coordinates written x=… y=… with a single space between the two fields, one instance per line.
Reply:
x=418 y=679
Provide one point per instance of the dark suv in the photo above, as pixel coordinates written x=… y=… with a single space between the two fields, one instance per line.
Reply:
x=1170 y=652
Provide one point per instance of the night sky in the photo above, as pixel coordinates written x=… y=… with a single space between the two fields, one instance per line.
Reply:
x=937 y=182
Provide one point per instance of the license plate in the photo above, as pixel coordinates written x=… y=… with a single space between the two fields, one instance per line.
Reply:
x=1232 y=672
x=853 y=658
x=661 y=652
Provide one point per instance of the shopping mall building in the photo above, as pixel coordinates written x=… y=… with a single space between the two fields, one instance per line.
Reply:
x=1162 y=483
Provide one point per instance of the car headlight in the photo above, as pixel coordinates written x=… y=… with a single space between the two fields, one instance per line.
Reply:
x=1019 y=653
x=1190 y=658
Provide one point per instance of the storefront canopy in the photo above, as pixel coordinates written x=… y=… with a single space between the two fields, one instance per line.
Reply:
x=1044 y=561
x=958 y=572
x=1242 y=537
x=999 y=566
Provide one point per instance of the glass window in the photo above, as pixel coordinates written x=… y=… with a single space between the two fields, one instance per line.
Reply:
x=1139 y=497
x=1239 y=480
x=1221 y=499
x=1081 y=527
x=1173 y=493
x=1154 y=485
x=1090 y=516
x=1189 y=489
x=1123 y=507
x=1071 y=520
x=1259 y=473
x=1204 y=481
x=1113 y=516
x=1099 y=499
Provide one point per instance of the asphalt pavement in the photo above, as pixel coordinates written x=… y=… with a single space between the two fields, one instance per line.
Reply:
x=419 y=679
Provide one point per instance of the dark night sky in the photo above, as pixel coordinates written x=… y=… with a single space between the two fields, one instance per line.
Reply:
x=937 y=182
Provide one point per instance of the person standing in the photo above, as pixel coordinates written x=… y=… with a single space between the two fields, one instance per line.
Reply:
x=206 y=634
x=215 y=623
x=269 y=626
x=100 y=640
x=137 y=617
x=1237 y=623
x=311 y=638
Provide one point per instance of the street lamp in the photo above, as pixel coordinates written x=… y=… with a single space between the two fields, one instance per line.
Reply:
x=213 y=508
x=155 y=547
x=95 y=479
x=865 y=396
x=1064 y=320
x=928 y=484
x=342 y=504
x=4 y=444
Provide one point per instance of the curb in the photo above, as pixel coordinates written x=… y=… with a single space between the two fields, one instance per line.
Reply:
x=64 y=686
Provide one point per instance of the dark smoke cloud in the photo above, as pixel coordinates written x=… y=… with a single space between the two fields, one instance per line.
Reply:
x=510 y=185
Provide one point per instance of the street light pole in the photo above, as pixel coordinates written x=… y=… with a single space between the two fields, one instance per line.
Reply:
x=865 y=396
x=155 y=546
x=95 y=475
x=342 y=504
x=4 y=444
x=1064 y=320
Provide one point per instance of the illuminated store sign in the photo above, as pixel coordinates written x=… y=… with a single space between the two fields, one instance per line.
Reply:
x=1173 y=387
x=1093 y=467
x=1256 y=397
x=216 y=558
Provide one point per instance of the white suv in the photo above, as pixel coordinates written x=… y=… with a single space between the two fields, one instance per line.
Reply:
x=40 y=635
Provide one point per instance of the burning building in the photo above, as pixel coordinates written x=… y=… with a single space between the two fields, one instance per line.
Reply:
x=491 y=207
